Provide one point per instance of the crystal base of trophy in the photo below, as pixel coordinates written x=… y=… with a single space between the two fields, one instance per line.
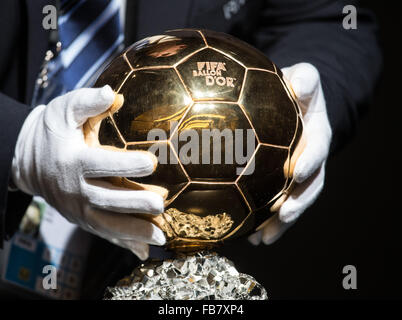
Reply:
x=200 y=276
x=194 y=274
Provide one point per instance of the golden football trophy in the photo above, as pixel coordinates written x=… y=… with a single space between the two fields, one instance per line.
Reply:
x=186 y=84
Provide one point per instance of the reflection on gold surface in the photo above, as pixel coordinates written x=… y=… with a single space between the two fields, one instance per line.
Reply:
x=221 y=120
x=169 y=50
x=152 y=100
x=163 y=50
x=174 y=117
x=202 y=121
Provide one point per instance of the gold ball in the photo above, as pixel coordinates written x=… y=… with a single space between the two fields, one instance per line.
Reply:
x=189 y=82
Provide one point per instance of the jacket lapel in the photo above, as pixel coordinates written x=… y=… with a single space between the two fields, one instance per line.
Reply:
x=37 y=42
x=152 y=17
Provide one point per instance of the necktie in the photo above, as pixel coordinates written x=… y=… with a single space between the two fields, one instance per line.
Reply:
x=89 y=34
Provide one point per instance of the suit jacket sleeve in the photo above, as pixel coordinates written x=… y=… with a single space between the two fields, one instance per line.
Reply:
x=349 y=61
x=22 y=47
x=12 y=117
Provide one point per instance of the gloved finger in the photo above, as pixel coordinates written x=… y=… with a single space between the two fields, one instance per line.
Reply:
x=302 y=196
x=271 y=231
x=140 y=249
x=123 y=227
x=88 y=102
x=104 y=195
x=274 y=229
x=98 y=162
x=255 y=238
x=315 y=152
x=304 y=79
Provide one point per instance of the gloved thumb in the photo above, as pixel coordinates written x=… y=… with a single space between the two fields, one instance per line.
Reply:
x=89 y=102
x=304 y=79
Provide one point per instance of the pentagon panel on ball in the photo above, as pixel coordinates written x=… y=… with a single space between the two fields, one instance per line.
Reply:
x=169 y=173
x=222 y=127
x=154 y=99
x=115 y=74
x=239 y=50
x=222 y=121
x=211 y=75
x=269 y=108
x=216 y=211
x=268 y=165
x=109 y=135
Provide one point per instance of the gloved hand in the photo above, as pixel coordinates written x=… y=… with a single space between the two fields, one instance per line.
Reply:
x=309 y=170
x=53 y=161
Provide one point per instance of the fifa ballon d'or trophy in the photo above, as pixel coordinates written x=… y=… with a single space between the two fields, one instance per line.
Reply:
x=226 y=129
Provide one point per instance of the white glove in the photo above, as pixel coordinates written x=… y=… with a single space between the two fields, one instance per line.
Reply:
x=53 y=161
x=309 y=171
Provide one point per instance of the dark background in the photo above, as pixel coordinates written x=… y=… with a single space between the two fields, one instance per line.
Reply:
x=357 y=219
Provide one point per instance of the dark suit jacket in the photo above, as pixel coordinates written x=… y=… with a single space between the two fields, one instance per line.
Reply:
x=288 y=31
